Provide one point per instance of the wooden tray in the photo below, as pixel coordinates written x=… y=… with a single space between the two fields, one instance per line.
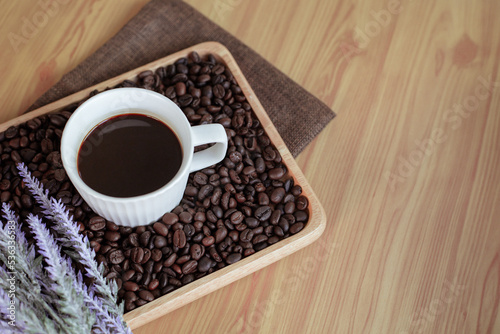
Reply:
x=203 y=286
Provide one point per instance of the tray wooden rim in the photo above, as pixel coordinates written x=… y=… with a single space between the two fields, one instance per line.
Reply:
x=225 y=276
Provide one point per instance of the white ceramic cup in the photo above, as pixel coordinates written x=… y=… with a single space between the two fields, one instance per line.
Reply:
x=143 y=209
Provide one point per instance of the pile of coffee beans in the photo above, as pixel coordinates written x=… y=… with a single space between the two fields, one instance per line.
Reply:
x=229 y=211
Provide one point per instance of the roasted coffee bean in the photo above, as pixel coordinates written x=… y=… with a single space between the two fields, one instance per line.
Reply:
x=104 y=249
x=301 y=203
x=116 y=256
x=189 y=267
x=160 y=241
x=289 y=218
x=183 y=259
x=246 y=235
x=138 y=277
x=258 y=230
x=167 y=289
x=208 y=241
x=195 y=58
x=95 y=245
x=217 y=210
x=163 y=280
x=11 y=132
x=200 y=178
x=272 y=240
x=300 y=216
x=112 y=236
x=189 y=230
x=296 y=190
x=156 y=255
x=24 y=141
x=129 y=306
x=284 y=225
x=158 y=266
x=278 y=231
x=153 y=284
x=140 y=302
x=54 y=159
x=130 y=296
x=180 y=88
x=268 y=231
x=237 y=217
x=219 y=91
x=144 y=238
x=276 y=173
x=26 y=201
x=187 y=279
x=232 y=258
x=170 y=260
x=203 y=79
x=275 y=217
x=251 y=222
x=260 y=246
x=296 y=228
x=214 y=254
x=179 y=77
x=204 y=264
x=185 y=217
x=200 y=216
x=4 y=184
x=205 y=191
x=130 y=286
x=137 y=255
x=277 y=195
x=148 y=266
x=263 y=213
x=16 y=157
x=263 y=199
x=146 y=295
x=196 y=252
x=147 y=255
x=179 y=239
x=259 y=238
x=289 y=207
x=198 y=237
x=220 y=234
x=128 y=275
x=134 y=239
x=175 y=267
x=170 y=218
x=160 y=228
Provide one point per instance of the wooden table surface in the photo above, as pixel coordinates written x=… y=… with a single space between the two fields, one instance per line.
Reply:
x=408 y=172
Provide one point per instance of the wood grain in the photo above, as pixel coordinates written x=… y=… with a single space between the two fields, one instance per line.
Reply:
x=407 y=172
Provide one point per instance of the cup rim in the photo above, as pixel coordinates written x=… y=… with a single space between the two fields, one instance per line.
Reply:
x=74 y=175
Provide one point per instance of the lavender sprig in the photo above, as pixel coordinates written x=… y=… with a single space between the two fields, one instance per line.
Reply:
x=25 y=261
x=68 y=232
x=61 y=272
x=76 y=317
x=109 y=314
x=30 y=278
x=57 y=283
x=25 y=321
x=105 y=321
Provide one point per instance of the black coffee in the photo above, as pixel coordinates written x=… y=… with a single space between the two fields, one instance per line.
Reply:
x=129 y=155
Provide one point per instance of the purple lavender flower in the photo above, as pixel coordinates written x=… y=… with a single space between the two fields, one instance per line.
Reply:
x=108 y=313
x=68 y=234
x=71 y=304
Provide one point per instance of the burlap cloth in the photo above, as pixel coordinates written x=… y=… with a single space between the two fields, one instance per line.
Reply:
x=163 y=27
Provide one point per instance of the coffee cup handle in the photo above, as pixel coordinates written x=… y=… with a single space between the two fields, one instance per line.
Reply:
x=205 y=134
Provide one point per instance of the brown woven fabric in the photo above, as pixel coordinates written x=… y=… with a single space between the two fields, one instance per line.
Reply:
x=163 y=27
